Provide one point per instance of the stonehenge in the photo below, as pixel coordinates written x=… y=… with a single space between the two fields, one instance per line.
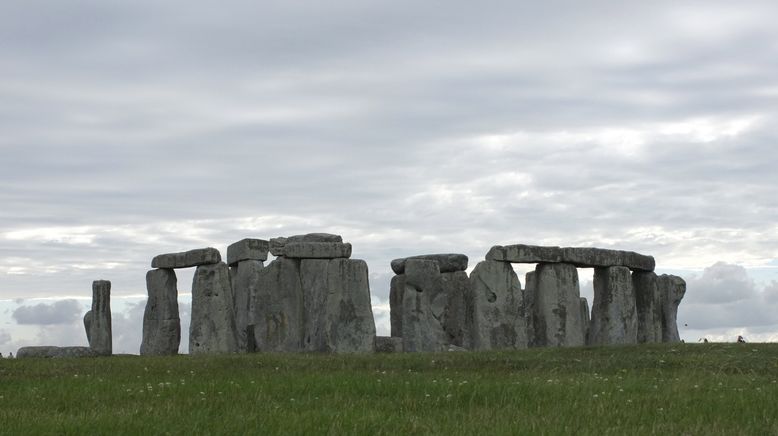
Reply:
x=161 y=323
x=98 y=320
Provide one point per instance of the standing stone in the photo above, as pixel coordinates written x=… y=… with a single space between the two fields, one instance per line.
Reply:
x=671 y=289
x=648 y=304
x=100 y=337
x=495 y=305
x=396 y=292
x=245 y=280
x=212 y=329
x=161 y=322
x=423 y=306
x=558 y=306
x=614 y=317
x=388 y=344
x=585 y=318
x=530 y=283
x=455 y=287
x=279 y=307
x=88 y=325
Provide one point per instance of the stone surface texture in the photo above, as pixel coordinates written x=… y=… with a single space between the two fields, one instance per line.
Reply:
x=423 y=305
x=317 y=250
x=495 y=306
x=614 y=316
x=245 y=280
x=557 y=312
x=648 y=304
x=279 y=312
x=528 y=295
x=585 y=319
x=55 y=352
x=672 y=290
x=247 y=249
x=277 y=245
x=88 y=325
x=212 y=329
x=187 y=259
x=101 y=336
x=580 y=257
x=447 y=262
x=388 y=344
x=161 y=322
x=396 y=292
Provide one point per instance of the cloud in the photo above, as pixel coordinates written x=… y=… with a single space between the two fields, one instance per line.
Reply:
x=5 y=337
x=721 y=283
x=60 y=312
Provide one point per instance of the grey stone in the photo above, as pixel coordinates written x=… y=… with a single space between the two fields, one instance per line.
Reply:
x=161 y=321
x=558 y=306
x=245 y=281
x=212 y=329
x=277 y=245
x=423 y=305
x=88 y=325
x=614 y=317
x=455 y=286
x=672 y=290
x=580 y=257
x=648 y=304
x=100 y=336
x=447 y=262
x=279 y=307
x=396 y=292
x=55 y=352
x=317 y=250
x=388 y=344
x=338 y=314
x=495 y=305
x=247 y=249
x=530 y=283
x=187 y=259
x=585 y=319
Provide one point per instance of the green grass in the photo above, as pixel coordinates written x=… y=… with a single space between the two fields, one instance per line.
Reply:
x=698 y=389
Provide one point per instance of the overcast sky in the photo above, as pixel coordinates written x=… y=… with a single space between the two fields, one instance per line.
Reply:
x=130 y=129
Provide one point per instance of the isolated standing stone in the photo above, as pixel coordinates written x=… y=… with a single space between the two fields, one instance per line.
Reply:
x=496 y=306
x=423 y=306
x=187 y=259
x=648 y=304
x=279 y=307
x=614 y=317
x=212 y=329
x=247 y=249
x=558 y=306
x=100 y=337
x=672 y=289
x=245 y=280
x=161 y=322
x=447 y=262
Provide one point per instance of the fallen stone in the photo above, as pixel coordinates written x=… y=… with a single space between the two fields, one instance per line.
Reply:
x=187 y=259
x=530 y=284
x=648 y=304
x=672 y=290
x=55 y=352
x=396 y=292
x=496 y=305
x=317 y=250
x=277 y=245
x=580 y=257
x=245 y=281
x=614 y=317
x=161 y=322
x=247 y=249
x=558 y=306
x=212 y=329
x=422 y=330
x=100 y=333
x=449 y=262
x=388 y=344
x=88 y=325
x=279 y=313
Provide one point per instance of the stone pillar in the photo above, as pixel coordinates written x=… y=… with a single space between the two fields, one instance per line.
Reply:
x=212 y=329
x=558 y=306
x=245 y=280
x=161 y=322
x=495 y=305
x=455 y=289
x=423 y=306
x=614 y=317
x=585 y=319
x=671 y=289
x=396 y=293
x=529 y=293
x=648 y=305
x=279 y=313
x=100 y=337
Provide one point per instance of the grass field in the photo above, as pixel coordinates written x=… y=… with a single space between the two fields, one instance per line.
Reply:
x=698 y=389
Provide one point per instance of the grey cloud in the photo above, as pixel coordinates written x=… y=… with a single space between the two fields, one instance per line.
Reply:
x=5 y=337
x=721 y=283
x=60 y=312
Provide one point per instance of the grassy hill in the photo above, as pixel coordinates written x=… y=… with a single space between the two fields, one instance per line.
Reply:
x=704 y=389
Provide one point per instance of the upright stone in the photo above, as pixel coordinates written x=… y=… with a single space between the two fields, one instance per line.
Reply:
x=558 y=306
x=396 y=292
x=455 y=287
x=423 y=306
x=212 y=329
x=245 y=281
x=672 y=289
x=495 y=304
x=585 y=318
x=161 y=322
x=279 y=313
x=100 y=338
x=648 y=304
x=614 y=317
x=530 y=285
x=88 y=325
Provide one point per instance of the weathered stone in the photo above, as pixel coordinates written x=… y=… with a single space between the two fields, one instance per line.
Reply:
x=580 y=257
x=423 y=306
x=88 y=325
x=530 y=284
x=614 y=317
x=396 y=292
x=585 y=319
x=388 y=344
x=55 y=352
x=277 y=245
x=495 y=304
x=648 y=304
x=338 y=314
x=448 y=262
x=671 y=289
x=317 y=250
x=247 y=249
x=279 y=308
x=425 y=275
x=100 y=336
x=455 y=286
x=245 y=280
x=187 y=259
x=558 y=306
x=212 y=329
x=161 y=322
